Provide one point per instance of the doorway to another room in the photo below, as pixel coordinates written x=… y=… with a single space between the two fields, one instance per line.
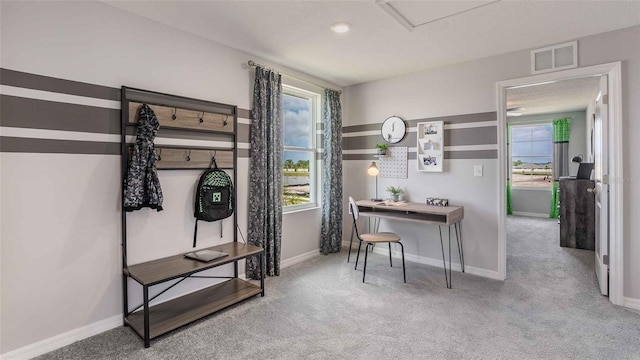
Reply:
x=559 y=138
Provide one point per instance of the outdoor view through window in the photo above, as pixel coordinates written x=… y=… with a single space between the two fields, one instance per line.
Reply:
x=299 y=151
x=532 y=156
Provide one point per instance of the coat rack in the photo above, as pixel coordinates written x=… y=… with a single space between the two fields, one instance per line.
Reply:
x=183 y=122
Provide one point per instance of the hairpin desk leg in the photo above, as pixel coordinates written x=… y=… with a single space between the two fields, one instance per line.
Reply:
x=444 y=262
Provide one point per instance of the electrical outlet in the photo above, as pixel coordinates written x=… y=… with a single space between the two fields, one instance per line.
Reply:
x=477 y=170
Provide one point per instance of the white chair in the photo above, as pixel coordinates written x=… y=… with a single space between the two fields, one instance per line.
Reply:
x=371 y=239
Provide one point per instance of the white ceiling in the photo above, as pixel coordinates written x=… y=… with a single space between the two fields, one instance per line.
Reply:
x=296 y=33
x=559 y=96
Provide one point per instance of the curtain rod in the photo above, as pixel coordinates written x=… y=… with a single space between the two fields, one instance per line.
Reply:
x=252 y=63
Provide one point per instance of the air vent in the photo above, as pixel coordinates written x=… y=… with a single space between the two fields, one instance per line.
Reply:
x=553 y=58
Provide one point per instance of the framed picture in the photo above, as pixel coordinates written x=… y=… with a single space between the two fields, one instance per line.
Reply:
x=430 y=146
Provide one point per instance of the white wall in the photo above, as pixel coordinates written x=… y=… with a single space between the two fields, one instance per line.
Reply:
x=470 y=88
x=61 y=261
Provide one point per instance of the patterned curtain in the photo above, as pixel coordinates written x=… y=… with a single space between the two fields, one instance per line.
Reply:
x=561 y=134
x=265 y=186
x=331 y=234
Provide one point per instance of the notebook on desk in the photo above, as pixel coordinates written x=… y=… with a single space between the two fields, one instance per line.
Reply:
x=205 y=255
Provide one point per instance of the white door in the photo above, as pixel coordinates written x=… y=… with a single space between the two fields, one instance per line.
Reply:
x=601 y=190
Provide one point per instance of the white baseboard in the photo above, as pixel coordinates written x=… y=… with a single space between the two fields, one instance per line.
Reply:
x=299 y=258
x=530 y=214
x=383 y=250
x=64 y=339
x=631 y=303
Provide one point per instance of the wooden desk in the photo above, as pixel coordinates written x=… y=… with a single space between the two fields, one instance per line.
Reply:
x=425 y=214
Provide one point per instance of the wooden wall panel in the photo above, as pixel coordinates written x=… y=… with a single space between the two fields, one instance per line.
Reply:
x=186 y=119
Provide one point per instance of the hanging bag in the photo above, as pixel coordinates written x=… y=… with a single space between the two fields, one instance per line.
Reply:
x=213 y=198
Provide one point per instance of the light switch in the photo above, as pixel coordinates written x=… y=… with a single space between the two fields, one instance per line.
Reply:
x=477 y=170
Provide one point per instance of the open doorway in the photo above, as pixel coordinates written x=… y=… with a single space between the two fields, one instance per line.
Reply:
x=541 y=170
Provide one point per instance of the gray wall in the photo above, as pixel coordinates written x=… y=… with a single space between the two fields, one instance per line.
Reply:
x=532 y=201
x=469 y=88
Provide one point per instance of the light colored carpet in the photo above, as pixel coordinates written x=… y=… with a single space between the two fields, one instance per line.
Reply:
x=548 y=308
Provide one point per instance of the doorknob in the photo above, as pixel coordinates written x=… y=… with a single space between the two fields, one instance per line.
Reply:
x=592 y=190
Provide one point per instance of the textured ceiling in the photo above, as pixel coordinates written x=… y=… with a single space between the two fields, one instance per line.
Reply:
x=296 y=33
x=560 y=96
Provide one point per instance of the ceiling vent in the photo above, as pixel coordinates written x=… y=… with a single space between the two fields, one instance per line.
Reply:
x=554 y=58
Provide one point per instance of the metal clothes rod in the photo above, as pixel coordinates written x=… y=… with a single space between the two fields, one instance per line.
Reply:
x=252 y=63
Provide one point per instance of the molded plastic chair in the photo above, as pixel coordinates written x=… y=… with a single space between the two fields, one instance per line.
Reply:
x=370 y=240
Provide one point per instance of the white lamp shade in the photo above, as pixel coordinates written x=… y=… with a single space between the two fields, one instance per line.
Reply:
x=373 y=169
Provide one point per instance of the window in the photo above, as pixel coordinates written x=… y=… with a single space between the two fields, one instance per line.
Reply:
x=532 y=156
x=299 y=170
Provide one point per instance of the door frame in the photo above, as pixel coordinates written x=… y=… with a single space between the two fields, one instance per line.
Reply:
x=614 y=153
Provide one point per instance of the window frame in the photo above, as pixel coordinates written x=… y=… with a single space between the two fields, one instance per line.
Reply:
x=528 y=124
x=314 y=163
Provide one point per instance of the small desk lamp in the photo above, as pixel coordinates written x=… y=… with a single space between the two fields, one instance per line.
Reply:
x=374 y=171
x=577 y=159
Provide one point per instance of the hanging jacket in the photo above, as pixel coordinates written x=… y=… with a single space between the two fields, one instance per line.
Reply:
x=142 y=187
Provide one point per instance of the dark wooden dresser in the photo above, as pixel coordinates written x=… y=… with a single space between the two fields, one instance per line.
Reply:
x=577 y=214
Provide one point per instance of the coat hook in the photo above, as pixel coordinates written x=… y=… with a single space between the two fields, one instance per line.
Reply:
x=175 y=111
x=213 y=159
x=189 y=155
x=225 y=122
x=158 y=155
x=202 y=117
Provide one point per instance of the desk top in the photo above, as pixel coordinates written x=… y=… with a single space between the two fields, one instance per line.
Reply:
x=411 y=211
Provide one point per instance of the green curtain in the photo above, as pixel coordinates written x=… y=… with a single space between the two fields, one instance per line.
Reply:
x=561 y=130
x=555 y=200
x=509 y=209
x=561 y=133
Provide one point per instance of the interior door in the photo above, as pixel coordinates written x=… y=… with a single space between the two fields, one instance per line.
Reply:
x=601 y=190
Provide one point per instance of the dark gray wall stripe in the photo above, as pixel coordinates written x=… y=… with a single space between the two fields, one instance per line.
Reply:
x=471 y=154
x=471 y=136
x=244 y=153
x=448 y=155
x=46 y=83
x=51 y=115
x=244 y=113
x=358 y=157
x=135 y=95
x=454 y=137
x=453 y=119
x=243 y=133
x=26 y=145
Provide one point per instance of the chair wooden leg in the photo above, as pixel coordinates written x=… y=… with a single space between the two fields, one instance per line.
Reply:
x=358 y=255
x=350 y=242
x=404 y=272
x=390 y=263
x=364 y=272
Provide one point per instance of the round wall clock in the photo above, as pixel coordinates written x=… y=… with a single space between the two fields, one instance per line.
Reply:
x=393 y=129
